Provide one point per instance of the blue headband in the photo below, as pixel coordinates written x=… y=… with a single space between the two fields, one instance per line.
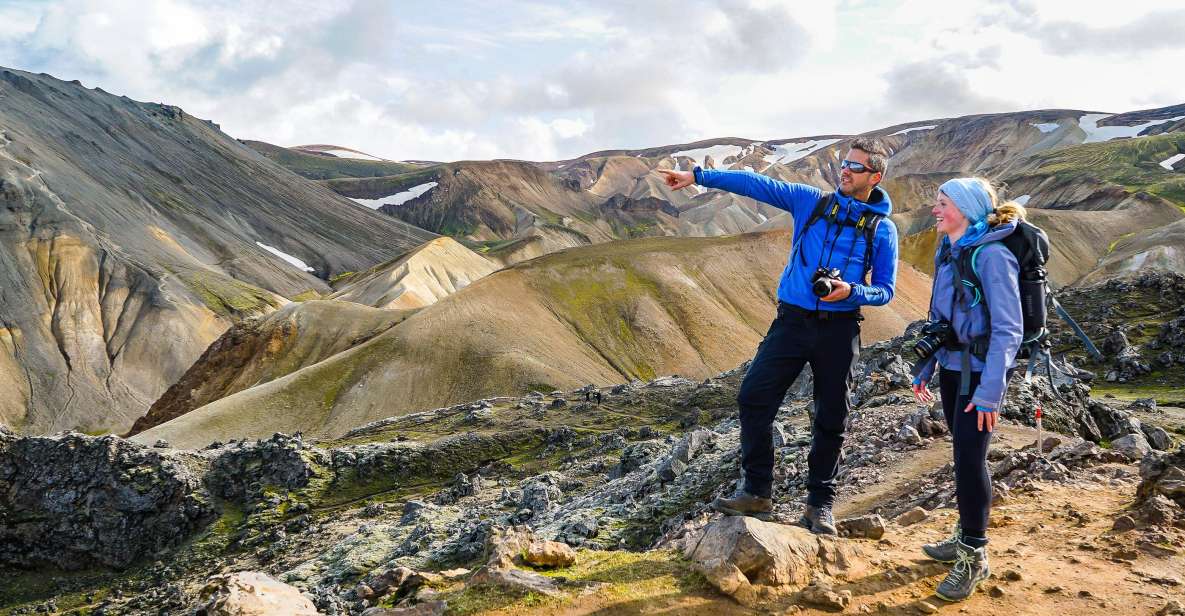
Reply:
x=970 y=197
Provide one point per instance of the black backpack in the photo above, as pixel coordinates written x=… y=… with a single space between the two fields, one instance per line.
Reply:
x=827 y=208
x=1030 y=245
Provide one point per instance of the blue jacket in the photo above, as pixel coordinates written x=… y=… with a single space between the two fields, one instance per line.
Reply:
x=816 y=243
x=999 y=275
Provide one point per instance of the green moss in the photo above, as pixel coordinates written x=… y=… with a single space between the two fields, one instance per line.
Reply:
x=226 y=296
x=623 y=583
x=341 y=277
x=1131 y=163
x=306 y=296
x=598 y=301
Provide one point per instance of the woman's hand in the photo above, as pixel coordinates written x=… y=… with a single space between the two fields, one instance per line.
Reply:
x=676 y=180
x=987 y=418
x=921 y=393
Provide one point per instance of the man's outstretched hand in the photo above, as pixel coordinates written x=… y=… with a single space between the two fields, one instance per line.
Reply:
x=677 y=179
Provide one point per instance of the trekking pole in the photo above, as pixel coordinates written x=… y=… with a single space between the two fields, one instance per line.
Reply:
x=1040 y=444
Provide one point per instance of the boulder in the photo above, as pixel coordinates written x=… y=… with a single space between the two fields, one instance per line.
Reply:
x=1157 y=437
x=251 y=593
x=863 y=527
x=769 y=554
x=913 y=516
x=682 y=453
x=1134 y=446
x=550 y=554
x=909 y=435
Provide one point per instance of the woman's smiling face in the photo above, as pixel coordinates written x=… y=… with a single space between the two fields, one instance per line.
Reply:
x=948 y=218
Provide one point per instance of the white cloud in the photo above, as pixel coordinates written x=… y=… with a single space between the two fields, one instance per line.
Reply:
x=541 y=80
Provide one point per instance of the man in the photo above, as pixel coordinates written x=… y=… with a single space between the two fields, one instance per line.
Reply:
x=831 y=230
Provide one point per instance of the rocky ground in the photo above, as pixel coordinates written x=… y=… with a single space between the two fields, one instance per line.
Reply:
x=560 y=502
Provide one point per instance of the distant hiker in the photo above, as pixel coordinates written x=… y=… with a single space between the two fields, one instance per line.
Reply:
x=818 y=321
x=973 y=335
x=598 y=395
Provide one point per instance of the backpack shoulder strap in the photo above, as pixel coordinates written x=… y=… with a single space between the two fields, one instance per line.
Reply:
x=819 y=212
x=820 y=208
x=870 y=227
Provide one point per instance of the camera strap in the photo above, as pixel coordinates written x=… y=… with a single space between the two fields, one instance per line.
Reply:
x=827 y=208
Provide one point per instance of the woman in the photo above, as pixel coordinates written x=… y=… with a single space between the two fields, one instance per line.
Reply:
x=973 y=368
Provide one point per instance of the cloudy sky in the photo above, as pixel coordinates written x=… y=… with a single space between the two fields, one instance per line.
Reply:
x=544 y=80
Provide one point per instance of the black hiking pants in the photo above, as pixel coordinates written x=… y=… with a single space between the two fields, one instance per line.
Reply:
x=797 y=337
x=973 y=485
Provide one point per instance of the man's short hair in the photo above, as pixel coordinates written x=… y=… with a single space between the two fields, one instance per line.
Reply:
x=878 y=156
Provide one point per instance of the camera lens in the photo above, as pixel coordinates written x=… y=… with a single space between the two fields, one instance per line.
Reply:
x=822 y=287
x=926 y=347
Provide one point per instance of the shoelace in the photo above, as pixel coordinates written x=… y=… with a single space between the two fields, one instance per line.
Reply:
x=962 y=568
x=826 y=516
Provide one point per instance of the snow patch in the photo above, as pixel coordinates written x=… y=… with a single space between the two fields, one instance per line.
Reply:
x=285 y=256
x=910 y=130
x=1023 y=199
x=1095 y=133
x=1046 y=127
x=789 y=152
x=1170 y=161
x=397 y=198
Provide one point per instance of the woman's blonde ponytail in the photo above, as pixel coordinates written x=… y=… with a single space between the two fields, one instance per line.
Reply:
x=1006 y=213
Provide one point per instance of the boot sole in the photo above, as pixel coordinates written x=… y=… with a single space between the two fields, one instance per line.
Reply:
x=973 y=589
x=764 y=516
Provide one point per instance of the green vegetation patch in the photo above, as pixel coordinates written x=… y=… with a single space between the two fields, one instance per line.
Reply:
x=1132 y=163
x=616 y=582
x=228 y=297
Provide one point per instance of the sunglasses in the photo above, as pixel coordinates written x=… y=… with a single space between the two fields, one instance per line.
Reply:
x=856 y=167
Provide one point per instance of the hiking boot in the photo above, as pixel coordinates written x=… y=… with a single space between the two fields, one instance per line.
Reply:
x=971 y=568
x=744 y=503
x=819 y=520
x=946 y=550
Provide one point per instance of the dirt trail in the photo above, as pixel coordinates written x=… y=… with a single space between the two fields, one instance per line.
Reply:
x=1053 y=551
x=901 y=477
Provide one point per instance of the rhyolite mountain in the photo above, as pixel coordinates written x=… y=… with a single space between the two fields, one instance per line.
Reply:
x=136 y=235
x=1062 y=162
x=132 y=235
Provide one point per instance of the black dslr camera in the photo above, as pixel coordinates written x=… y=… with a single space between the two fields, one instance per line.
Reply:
x=821 y=281
x=934 y=335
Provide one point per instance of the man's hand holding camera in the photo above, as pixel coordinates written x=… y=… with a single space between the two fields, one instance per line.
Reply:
x=827 y=285
x=840 y=291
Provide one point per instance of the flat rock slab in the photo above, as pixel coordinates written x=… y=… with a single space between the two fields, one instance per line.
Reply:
x=516 y=581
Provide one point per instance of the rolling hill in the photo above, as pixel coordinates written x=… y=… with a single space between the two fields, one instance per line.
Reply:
x=597 y=314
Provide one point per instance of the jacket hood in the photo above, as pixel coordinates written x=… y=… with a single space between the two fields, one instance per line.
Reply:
x=994 y=234
x=878 y=202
